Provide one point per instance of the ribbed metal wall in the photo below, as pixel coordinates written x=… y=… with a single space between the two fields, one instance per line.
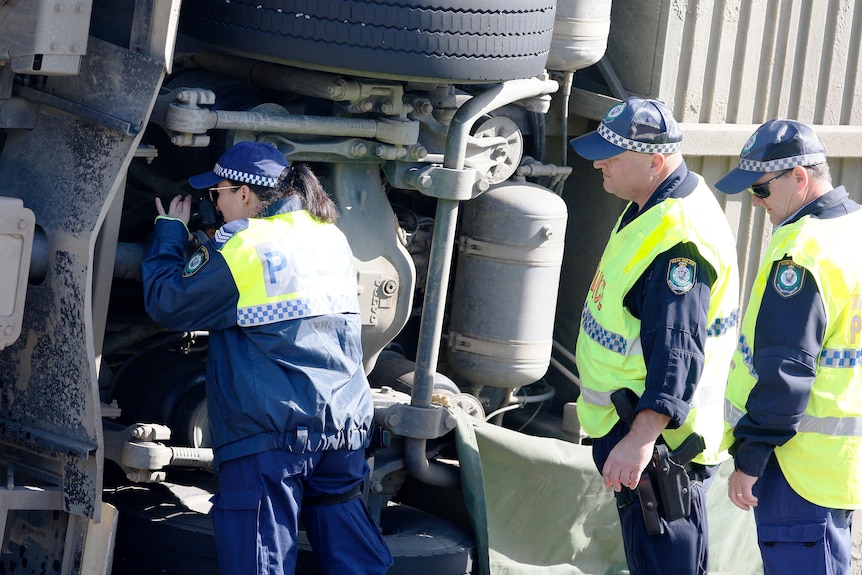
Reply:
x=719 y=62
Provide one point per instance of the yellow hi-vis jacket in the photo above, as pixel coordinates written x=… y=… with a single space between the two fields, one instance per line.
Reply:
x=823 y=461
x=284 y=268
x=609 y=354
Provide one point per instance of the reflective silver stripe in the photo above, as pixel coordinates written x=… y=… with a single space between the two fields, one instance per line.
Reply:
x=607 y=339
x=837 y=426
x=732 y=414
x=841 y=357
x=703 y=396
x=594 y=397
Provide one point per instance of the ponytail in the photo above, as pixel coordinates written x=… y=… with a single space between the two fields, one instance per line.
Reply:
x=299 y=180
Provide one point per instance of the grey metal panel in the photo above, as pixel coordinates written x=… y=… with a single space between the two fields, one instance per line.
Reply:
x=727 y=66
x=742 y=62
x=68 y=170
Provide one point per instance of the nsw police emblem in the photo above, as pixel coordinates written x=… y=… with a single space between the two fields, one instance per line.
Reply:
x=680 y=275
x=196 y=262
x=788 y=278
x=615 y=111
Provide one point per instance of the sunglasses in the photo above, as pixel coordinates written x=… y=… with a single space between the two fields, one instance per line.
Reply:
x=214 y=192
x=762 y=190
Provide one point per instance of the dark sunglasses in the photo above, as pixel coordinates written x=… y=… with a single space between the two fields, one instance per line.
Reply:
x=214 y=192
x=762 y=190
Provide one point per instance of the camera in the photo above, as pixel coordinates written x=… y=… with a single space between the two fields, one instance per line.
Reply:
x=204 y=216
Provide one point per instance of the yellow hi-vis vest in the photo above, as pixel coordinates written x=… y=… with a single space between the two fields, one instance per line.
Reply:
x=609 y=355
x=290 y=266
x=823 y=461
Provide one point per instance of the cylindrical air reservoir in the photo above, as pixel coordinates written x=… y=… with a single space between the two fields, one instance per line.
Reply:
x=505 y=291
x=580 y=37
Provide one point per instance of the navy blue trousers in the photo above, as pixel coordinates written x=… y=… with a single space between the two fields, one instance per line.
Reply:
x=257 y=509
x=683 y=549
x=795 y=535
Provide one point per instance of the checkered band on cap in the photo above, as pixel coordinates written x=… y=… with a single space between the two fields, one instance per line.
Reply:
x=237 y=176
x=781 y=163
x=634 y=145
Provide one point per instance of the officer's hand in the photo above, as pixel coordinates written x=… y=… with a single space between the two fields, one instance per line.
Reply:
x=180 y=208
x=628 y=459
x=626 y=462
x=739 y=490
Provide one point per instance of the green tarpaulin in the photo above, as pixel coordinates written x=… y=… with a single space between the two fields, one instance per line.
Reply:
x=538 y=507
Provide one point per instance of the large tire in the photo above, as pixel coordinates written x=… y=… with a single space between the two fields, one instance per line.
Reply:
x=449 y=41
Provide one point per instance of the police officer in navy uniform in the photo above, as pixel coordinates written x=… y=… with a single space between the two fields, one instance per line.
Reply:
x=659 y=323
x=289 y=403
x=794 y=397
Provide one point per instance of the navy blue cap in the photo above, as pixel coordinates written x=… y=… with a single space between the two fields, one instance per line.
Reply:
x=249 y=162
x=636 y=124
x=777 y=145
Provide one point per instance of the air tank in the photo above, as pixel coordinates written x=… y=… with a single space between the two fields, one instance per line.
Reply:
x=504 y=295
x=580 y=37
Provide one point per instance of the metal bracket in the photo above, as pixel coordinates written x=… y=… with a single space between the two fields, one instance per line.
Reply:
x=417 y=422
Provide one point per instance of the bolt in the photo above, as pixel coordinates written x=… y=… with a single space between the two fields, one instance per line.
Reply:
x=424 y=181
x=423 y=106
x=418 y=151
x=389 y=287
x=393 y=420
x=336 y=90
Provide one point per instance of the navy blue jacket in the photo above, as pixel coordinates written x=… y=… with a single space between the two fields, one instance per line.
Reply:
x=297 y=385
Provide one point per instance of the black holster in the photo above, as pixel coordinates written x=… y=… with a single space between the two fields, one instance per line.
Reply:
x=664 y=489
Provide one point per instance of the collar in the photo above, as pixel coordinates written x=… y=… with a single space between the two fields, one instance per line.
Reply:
x=834 y=203
x=291 y=203
x=679 y=184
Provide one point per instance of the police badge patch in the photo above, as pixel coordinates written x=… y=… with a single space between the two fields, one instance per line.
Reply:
x=680 y=275
x=196 y=262
x=788 y=278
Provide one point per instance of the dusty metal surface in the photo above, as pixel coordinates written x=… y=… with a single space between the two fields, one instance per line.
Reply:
x=67 y=171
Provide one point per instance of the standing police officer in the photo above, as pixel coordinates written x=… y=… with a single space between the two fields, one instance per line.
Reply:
x=794 y=398
x=658 y=323
x=289 y=404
